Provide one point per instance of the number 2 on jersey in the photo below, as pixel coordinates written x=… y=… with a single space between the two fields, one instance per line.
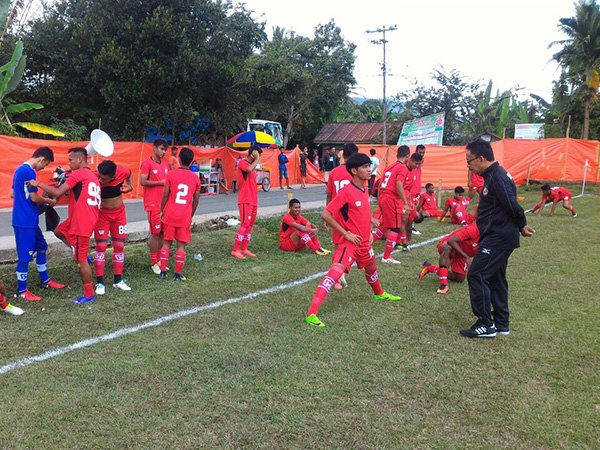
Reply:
x=182 y=191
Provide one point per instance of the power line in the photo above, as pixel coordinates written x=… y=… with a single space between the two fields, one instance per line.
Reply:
x=382 y=42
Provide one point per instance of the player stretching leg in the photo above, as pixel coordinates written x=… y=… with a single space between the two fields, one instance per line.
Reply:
x=114 y=182
x=349 y=216
x=295 y=232
x=456 y=250
x=179 y=203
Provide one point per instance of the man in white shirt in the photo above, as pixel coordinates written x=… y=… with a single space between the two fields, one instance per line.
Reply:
x=374 y=167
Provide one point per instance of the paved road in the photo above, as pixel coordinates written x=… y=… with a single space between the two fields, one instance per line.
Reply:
x=208 y=205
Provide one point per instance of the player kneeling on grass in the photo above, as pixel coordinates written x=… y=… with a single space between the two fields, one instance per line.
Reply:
x=349 y=216
x=554 y=195
x=295 y=232
x=179 y=203
x=456 y=250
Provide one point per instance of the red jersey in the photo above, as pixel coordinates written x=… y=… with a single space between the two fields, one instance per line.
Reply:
x=469 y=238
x=338 y=178
x=393 y=173
x=415 y=190
x=84 y=201
x=475 y=180
x=155 y=172
x=246 y=181
x=428 y=201
x=286 y=228
x=183 y=184
x=408 y=184
x=113 y=189
x=452 y=203
x=351 y=209
x=557 y=194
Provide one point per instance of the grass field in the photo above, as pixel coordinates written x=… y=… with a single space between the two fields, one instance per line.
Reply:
x=253 y=374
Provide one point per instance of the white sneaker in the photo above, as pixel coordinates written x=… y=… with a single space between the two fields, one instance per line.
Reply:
x=343 y=281
x=390 y=261
x=100 y=289
x=13 y=310
x=416 y=232
x=122 y=285
x=156 y=269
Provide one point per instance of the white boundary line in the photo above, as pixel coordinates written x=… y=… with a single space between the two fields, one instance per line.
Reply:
x=59 y=351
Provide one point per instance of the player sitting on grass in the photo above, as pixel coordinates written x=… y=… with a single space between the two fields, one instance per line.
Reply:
x=7 y=307
x=179 y=203
x=295 y=232
x=554 y=195
x=456 y=250
x=349 y=216
x=427 y=203
x=456 y=208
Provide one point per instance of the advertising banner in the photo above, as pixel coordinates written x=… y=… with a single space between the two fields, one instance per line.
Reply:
x=425 y=130
x=529 y=131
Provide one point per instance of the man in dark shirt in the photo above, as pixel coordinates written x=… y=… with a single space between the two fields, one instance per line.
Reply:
x=500 y=219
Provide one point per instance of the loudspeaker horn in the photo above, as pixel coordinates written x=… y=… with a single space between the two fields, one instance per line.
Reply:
x=100 y=143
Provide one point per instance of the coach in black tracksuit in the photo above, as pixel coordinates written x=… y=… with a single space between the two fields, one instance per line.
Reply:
x=500 y=219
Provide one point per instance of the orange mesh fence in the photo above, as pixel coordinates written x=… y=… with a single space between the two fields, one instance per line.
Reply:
x=551 y=159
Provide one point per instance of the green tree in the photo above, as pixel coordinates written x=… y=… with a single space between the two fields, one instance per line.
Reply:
x=580 y=55
x=133 y=64
x=302 y=81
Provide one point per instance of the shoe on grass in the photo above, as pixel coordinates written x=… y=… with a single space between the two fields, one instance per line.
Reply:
x=29 y=296
x=100 y=289
x=13 y=310
x=314 y=321
x=416 y=232
x=504 y=331
x=443 y=289
x=390 y=260
x=83 y=299
x=424 y=270
x=405 y=247
x=179 y=277
x=574 y=215
x=163 y=275
x=51 y=284
x=122 y=285
x=388 y=297
x=479 y=330
x=322 y=251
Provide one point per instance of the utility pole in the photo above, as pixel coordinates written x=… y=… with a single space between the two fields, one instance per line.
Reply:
x=383 y=41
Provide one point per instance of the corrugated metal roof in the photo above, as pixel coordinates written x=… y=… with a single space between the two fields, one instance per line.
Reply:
x=359 y=133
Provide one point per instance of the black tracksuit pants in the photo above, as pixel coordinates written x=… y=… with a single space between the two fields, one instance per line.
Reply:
x=488 y=287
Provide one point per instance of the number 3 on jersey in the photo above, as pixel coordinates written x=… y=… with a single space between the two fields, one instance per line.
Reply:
x=386 y=178
x=93 y=195
x=182 y=191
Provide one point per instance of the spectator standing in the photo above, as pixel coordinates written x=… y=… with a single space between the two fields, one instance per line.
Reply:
x=303 y=160
x=374 y=166
x=283 y=172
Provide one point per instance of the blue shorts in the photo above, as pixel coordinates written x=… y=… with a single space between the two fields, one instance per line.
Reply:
x=29 y=241
x=283 y=173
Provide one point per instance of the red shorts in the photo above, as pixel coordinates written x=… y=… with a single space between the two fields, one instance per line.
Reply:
x=247 y=214
x=79 y=244
x=289 y=246
x=154 y=222
x=460 y=215
x=113 y=221
x=391 y=211
x=347 y=254
x=458 y=263
x=179 y=234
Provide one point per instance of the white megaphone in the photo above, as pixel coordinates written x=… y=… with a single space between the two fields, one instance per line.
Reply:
x=100 y=143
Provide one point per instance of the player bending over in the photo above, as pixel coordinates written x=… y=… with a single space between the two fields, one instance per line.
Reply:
x=179 y=203
x=112 y=219
x=555 y=194
x=296 y=232
x=456 y=251
x=349 y=216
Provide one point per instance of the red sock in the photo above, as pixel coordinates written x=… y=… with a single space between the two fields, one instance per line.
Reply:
x=99 y=260
x=3 y=302
x=443 y=274
x=373 y=279
x=324 y=287
x=403 y=237
x=88 y=290
x=433 y=268
x=377 y=233
x=179 y=261
x=118 y=257
x=390 y=244
x=315 y=240
x=164 y=257
x=239 y=238
x=153 y=258
x=307 y=239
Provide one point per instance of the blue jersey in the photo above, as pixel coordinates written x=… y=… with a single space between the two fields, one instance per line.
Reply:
x=25 y=212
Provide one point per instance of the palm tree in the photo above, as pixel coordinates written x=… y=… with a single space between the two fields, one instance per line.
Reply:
x=580 y=54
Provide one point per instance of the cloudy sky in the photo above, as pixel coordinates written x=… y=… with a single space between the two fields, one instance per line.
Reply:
x=506 y=41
